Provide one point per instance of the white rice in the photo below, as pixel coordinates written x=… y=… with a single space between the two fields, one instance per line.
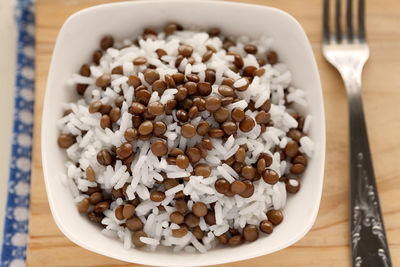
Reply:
x=140 y=180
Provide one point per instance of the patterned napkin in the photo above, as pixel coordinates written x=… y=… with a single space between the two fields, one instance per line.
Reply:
x=17 y=208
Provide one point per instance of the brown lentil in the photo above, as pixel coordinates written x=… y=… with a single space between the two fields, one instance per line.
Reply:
x=134 y=81
x=85 y=70
x=193 y=111
x=101 y=206
x=159 y=148
x=261 y=165
x=182 y=161
x=178 y=77
x=203 y=128
x=229 y=127
x=159 y=128
x=206 y=56
x=249 y=71
x=81 y=88
x=180 y=232
x=270 y=176
x=143 y=96
x=106 y=42
x=118 y=212
x=193 y=77
x=197 y=232
x=213 y=103
x=206 y=143
x=237 y=114
x=300 y=159
x=202 y=169
x=243 y=87
x=192 y=220
x=250 y=232
x=181 y=205
x=170 y=28
x=275 y=216
x=225 y=90
x=128 y=211
x=95 y=107
x=292 y=185
x=259 y=72
x=223 y=239
x=249 y=191
x=115 y=114
x=170 y=83
x=105 y=121
x=170 y=183
x=297 y=168
x=104 y=80
x=216 y=133
x=125 y=150
x=247 y=124
x=191 y=87
x=104 y=157
x=151 y=75
x=291 y=148
x=84 y=205
x=176 y=217
x=266 y=227
x=97 y=56
x=210 y=218
x=235 y=240
x=139 y=61
x=156 y=108
x=65 y=140
x=136 y=238
x=188 y=130
x=181 y=94
x=96 y=197
x=131 y=134
x=199 y=209
x=262 y=117
x=159 y=86
x=194 y=154
x=248 y=172
x=182 y=115
x=204 y=88
x=272 y=57
x=145 y=128
x=210 y=76
x=222 y=185
x=185 y=50
x=90 y=174
x=176 y=151
x=250 y=48
x=200 y=103
x=267 y=158
x=238 y=187
x=157 y=196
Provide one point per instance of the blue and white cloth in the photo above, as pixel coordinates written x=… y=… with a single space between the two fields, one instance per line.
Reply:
x=17 y=209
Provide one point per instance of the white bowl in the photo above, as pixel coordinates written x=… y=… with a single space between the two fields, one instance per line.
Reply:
x=77 y=39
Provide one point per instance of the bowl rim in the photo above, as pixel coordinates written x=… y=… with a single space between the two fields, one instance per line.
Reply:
x=255 y=253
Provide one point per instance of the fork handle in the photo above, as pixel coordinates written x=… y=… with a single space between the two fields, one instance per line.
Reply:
x=369 y=246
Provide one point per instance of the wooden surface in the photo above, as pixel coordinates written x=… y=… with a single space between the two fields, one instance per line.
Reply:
x=327 y=244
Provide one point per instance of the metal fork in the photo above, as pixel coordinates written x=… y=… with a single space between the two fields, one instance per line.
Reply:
x=348 y=52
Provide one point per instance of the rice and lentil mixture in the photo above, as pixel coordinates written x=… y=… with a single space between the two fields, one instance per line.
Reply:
x=185 y=139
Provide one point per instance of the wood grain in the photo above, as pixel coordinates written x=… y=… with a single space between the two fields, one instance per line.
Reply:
x=327 y=244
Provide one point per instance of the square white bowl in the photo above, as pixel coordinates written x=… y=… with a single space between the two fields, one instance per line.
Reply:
x=77 y=39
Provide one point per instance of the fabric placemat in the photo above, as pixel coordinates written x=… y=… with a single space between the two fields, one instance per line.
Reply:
x=17 y=208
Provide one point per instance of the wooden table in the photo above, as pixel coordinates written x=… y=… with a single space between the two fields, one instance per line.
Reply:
x=327 y=244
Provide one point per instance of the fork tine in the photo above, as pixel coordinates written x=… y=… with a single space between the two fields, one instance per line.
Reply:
x=337 y=21
x=361 y=25
x=349 y=19
x=326 y=35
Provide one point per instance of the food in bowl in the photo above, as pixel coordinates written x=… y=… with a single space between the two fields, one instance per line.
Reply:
x=185 y=138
